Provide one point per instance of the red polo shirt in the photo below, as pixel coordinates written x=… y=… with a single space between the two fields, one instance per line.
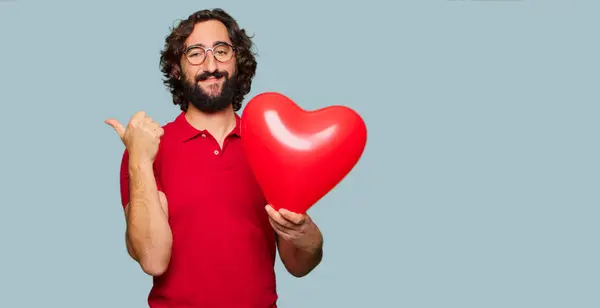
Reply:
x=224 y=248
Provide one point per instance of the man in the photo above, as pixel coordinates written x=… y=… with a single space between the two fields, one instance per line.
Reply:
x=197 y=221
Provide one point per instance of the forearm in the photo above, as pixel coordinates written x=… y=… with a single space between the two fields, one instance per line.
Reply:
x=148 y=230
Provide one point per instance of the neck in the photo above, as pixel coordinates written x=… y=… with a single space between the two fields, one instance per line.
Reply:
x=218 y=124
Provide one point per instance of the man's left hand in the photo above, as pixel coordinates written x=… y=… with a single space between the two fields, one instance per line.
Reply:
x=296 y=228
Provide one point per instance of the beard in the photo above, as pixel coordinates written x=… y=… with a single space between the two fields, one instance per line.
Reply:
x=214 y=100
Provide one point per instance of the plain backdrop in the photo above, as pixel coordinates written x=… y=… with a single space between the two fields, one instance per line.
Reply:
x=478 y=186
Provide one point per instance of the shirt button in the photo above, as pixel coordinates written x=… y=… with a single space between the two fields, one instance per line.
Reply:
x=216 y=152
x=203 y=135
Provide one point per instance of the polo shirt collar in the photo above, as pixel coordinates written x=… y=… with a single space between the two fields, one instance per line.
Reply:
x=186 y=131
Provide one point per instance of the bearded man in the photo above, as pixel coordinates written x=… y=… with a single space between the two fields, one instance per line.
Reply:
x=197 y=221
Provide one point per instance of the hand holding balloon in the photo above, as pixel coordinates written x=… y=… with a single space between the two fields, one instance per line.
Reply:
x=296 y=228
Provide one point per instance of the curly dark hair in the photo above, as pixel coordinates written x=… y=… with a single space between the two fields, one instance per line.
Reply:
x=170 y=56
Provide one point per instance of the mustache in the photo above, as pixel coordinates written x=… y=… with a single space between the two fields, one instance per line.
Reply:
x=216 y=74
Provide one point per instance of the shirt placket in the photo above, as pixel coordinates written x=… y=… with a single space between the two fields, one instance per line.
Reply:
x=216 y=151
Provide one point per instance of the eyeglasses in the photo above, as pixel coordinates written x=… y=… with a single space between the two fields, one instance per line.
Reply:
x=222 y=52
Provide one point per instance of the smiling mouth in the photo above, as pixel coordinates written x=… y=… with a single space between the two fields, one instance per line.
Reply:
x=211 y=79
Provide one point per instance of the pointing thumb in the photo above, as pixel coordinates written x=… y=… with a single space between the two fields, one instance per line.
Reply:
x=118 y=127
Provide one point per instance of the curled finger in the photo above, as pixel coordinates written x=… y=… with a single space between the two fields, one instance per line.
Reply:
x=280 y=220
x=280 y=230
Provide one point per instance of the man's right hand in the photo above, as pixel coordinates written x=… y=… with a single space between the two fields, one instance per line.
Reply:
x=141 y=137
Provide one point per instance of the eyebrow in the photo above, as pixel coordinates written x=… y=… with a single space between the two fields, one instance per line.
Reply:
x=214 y=44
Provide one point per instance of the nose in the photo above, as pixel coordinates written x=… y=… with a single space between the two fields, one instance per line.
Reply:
x=211 y=64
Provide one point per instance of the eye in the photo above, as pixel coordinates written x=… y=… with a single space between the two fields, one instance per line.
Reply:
x=222 y=50
x=195 y=53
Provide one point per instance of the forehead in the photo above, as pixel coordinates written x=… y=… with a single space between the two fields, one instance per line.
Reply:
x=208 y=33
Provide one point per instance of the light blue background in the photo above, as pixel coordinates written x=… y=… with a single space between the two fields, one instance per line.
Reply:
x=478 y=187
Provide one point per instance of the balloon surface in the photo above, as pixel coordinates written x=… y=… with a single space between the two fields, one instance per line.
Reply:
x=298 y=156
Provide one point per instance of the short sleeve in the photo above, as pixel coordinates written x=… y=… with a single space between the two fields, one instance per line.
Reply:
x=124 y=179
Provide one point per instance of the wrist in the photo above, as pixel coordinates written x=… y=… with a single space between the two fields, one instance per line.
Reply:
x=309 y=252
x=139 y=164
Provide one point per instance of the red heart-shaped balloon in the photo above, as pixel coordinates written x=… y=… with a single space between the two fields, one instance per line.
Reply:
x=298 y=156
